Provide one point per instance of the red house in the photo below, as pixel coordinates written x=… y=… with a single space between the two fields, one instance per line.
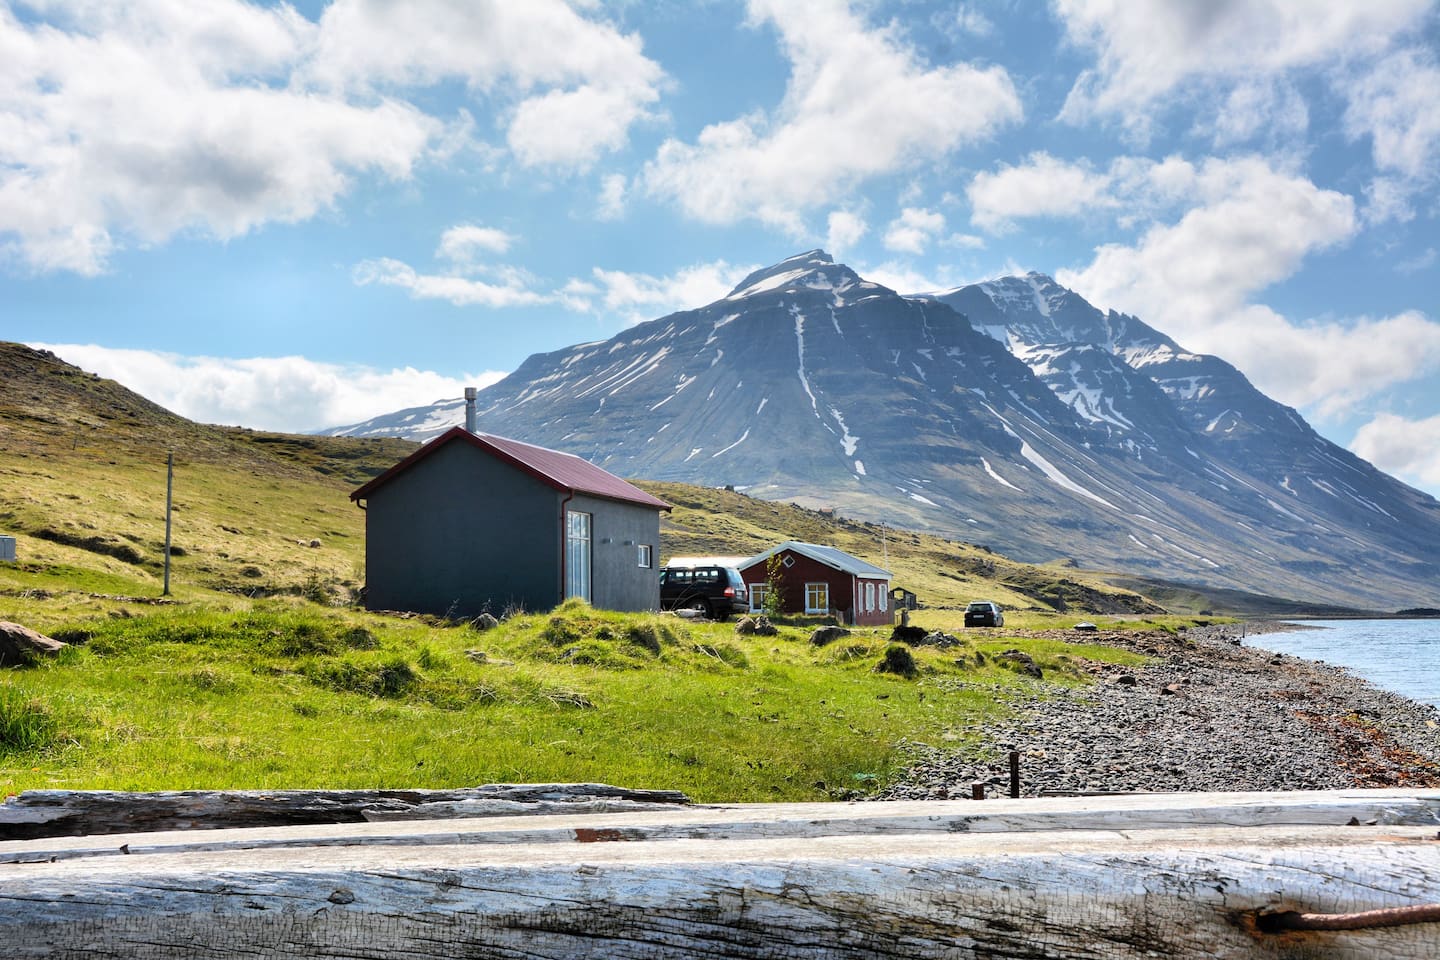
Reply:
x=820 y=580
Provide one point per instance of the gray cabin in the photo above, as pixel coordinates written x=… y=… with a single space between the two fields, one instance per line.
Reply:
x=473 y=523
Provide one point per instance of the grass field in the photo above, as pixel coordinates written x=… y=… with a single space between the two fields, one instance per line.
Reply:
x=287 y=693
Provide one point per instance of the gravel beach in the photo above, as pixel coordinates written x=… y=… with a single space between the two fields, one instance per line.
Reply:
x=1205 y=713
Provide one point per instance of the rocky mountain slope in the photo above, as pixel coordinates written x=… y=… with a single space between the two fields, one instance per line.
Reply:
x=1009 y=413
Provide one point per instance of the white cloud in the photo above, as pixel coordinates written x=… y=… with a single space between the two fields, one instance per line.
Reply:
x=844 y=230
x=1407 y=448
x=913 y=230
x=859 y=104
x=1248 y=225
x=460 y=244
x=154 y=118
x=1144 y=51
x=1266 y=107
x=633 y=296
x=903 y=278
x=641 y=296
x=126 y=124
x=572 y=85
x=611 y=205
x=1042 y=186
x=1395 y=104
x=291 y=394
x=1423 y=260
x=1251 y=226
x=458 y=290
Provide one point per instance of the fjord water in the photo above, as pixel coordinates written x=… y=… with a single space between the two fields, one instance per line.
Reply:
x=1398 y=655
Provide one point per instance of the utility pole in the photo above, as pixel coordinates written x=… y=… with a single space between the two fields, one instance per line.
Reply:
x=169 y=501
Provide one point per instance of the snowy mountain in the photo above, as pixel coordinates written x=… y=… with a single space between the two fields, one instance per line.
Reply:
x=1011 y=413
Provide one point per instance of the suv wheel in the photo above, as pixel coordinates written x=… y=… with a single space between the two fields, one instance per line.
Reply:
x=700 y=607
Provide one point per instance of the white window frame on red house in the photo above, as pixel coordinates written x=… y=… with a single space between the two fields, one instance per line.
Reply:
x=757 y=596
x=817 y=590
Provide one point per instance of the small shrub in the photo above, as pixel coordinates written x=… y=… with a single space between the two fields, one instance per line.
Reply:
x=645 y=636
x=392 y=679
x=395 y=678
x=899 y=661
x=318 y=590
x=305 y=638
x=358 y=638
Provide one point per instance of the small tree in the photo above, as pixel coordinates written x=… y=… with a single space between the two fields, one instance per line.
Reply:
x=774 y=603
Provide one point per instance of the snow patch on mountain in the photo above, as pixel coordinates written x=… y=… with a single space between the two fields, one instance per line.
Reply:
x=1042 y=306
x=996 y=477
x=1056 y=476
x=848 y=442
x=732 y=446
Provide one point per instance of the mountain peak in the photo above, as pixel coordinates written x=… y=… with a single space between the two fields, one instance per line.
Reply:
x=813 y=269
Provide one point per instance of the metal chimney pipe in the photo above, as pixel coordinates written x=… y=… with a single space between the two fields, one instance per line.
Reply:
x=469 y=409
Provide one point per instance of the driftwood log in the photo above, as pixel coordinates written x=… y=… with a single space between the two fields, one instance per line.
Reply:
x=1172 y=875
x=56 y=813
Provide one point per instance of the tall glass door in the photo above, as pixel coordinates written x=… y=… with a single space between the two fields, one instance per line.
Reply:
x=577 y=555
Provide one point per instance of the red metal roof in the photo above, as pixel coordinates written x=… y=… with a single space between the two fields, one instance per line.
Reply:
x=563 y=471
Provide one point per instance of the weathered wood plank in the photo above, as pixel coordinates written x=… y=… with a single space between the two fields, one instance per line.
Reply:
x=1122 y=876
x=50 y=813
x=589 y=822
x=1179 y=892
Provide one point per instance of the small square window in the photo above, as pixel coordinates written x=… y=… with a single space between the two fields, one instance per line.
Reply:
x=789 y=561
x=645 y=555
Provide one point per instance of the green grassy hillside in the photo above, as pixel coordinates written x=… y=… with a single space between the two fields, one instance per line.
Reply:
x=258 y=671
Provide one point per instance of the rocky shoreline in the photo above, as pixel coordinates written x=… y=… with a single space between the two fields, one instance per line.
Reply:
x=1207 y=712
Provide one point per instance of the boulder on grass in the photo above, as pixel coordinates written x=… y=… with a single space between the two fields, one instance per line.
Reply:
x=824 y=635
x=756 y=626
x=1023 y=662
x=21 y=645
x=904 y=633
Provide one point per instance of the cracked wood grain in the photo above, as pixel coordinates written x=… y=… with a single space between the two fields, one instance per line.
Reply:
x=1138 y=878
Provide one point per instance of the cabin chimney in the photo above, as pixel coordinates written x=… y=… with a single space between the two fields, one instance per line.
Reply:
x=469 y=409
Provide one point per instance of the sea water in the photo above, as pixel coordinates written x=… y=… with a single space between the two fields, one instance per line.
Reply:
x=1398 y=655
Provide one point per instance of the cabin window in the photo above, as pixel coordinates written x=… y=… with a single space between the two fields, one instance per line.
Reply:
x=884 y=597
x=869 y=597
x=817 y=598
x=757 y=596
x=646 y=554
x=577 y=555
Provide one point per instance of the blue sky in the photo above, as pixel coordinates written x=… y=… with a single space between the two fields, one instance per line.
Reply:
x=290 y=217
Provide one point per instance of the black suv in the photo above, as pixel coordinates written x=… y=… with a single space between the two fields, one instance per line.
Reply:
x=715 y=592
x=984 y=613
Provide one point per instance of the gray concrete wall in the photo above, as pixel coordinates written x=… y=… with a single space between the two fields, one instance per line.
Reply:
x=617 y=530
x=460 y=532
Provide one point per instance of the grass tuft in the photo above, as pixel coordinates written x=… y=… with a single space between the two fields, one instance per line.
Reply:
x=25 y=724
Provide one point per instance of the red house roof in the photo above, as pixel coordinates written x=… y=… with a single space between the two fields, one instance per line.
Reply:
x=563 y=471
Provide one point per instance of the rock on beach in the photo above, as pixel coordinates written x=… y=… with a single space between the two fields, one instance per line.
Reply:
x=1204 y=714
